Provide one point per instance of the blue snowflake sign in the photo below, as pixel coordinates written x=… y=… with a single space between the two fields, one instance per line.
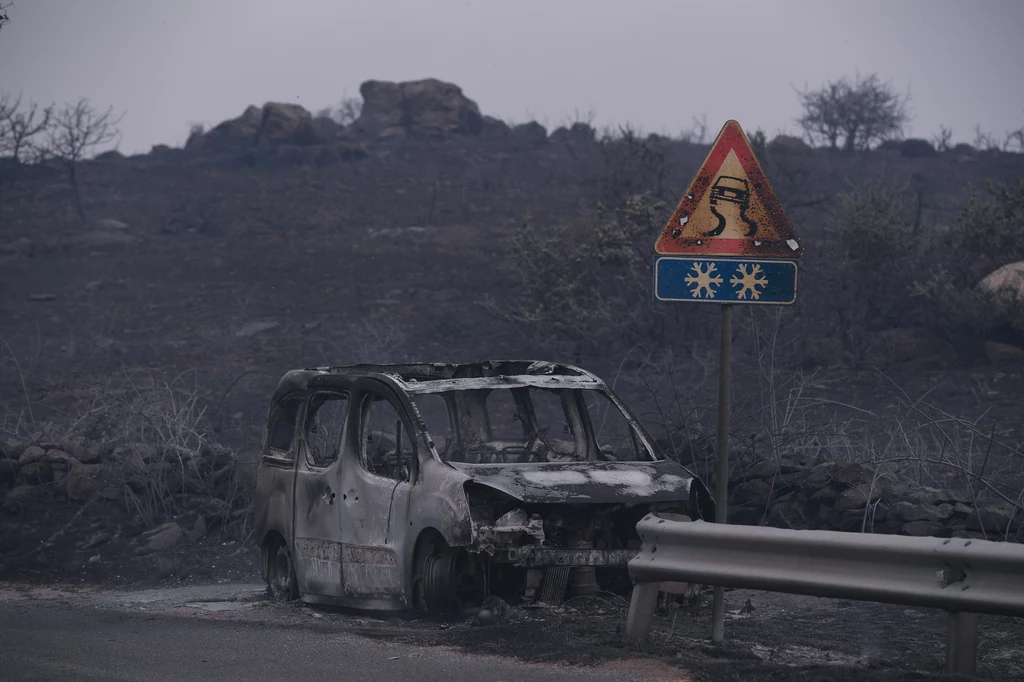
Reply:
x=725 y=280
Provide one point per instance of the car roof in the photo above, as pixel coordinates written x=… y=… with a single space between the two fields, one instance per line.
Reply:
x=435 y=377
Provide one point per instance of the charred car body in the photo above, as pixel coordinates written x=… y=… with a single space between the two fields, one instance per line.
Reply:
x=433 y=486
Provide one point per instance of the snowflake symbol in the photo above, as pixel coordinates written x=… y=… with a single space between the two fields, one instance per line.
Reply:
x=703 y=279
x=748 y=282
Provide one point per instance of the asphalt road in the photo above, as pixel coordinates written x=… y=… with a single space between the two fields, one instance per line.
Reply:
x=102 y=637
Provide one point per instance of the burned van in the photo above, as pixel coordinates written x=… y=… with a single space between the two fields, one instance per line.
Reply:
x=433 y=486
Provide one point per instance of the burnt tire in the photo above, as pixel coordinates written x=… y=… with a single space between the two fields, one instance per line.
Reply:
x=281 y=583
x=448 y=582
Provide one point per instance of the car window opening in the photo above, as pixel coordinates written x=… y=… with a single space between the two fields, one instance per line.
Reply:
x=528 y=425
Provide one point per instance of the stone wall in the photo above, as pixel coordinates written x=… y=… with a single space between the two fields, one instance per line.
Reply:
x=849 y=496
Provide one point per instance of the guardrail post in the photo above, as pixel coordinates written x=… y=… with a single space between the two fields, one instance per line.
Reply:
x=962 y=643
x=641 y=611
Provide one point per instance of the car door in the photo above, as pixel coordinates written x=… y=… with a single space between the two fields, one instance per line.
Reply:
x=317 y=517
x=375 y=497
x=275 y=475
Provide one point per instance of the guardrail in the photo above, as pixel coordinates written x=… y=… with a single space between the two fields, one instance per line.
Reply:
x=964 y=577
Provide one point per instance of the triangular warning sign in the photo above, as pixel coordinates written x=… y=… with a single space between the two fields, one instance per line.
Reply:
x=730 y=209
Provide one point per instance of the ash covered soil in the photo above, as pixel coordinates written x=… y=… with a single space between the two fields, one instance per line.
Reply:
x=769 y=636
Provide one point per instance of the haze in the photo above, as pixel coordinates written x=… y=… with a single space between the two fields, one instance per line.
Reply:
x=657 y=65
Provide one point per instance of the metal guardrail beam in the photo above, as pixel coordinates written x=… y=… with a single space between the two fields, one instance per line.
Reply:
x=961 y=576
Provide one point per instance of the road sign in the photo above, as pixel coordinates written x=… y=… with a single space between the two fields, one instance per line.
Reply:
x=729 y=241
x=730 y=209
x=725 y=280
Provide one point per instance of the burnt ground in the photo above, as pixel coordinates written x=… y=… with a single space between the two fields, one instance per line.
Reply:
x=51 y=545
x=779 y=639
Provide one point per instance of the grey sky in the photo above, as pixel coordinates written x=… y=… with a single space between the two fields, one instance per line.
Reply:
x=654 y=64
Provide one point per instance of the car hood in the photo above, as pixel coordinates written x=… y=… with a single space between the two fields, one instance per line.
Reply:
x=595 y=482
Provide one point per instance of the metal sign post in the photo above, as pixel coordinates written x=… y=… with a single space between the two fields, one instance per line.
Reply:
x=729 y=241
x=722 y=461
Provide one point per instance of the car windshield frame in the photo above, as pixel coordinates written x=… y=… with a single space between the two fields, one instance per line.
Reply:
x=463 y=396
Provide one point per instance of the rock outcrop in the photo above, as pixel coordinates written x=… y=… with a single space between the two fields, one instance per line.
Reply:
x=428 y=107
x=276 y=123
x=1009 y=278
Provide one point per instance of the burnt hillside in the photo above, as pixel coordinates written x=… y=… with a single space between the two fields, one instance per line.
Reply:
x=279 y=239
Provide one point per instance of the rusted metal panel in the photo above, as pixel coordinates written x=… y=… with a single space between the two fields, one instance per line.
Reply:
x=553 y=556
x=587 y=482
x=442 y=385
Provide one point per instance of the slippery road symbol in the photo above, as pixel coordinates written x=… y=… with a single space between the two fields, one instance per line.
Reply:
x=731 y=190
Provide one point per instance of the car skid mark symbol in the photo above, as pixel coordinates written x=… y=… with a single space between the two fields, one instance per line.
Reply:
x=731 y=190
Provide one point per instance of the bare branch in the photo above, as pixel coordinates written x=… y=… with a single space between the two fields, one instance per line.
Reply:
x=19 y=127
x=78 y=129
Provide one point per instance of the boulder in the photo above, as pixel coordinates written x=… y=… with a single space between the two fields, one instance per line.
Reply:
x=1004 y=291
x=962 y=510
x=1007 y=278
x=855 y=498
x=37 y=472
x=11 y=448
x=84 y=450
x=84 y=482
x=276 y=123
x=58 y=459
x=995 y=517
x=528 y=135
x=819 y=476
x=233 y=133
x=33 y=453
x=286 y=124
x=428 y=107
x=938 y=496
x=166 y=536
x=850 y=473
x=579 y=134
x=494 y=128
x=825 y=496
x=24 y=497
x=911 y=512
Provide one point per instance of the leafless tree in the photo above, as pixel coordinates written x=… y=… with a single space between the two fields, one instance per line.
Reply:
x=4 y=18
x=19 y=127
x=76 y=131
x=943 y=141
x=853 y=114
